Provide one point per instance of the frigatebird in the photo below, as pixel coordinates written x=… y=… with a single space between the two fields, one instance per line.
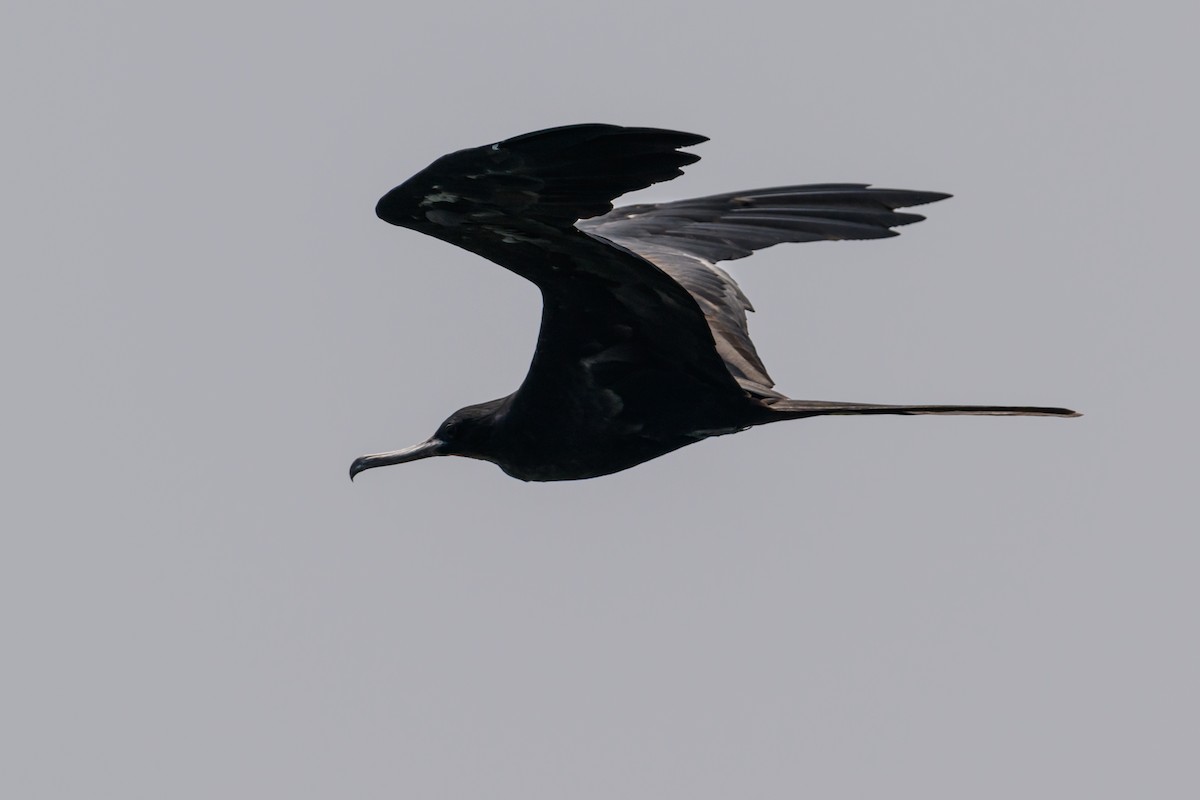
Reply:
x=644 y=346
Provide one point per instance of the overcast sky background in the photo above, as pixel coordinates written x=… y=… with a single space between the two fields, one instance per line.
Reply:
x=204 y=323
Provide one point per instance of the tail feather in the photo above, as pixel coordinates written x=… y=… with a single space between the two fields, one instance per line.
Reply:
x=815 y=408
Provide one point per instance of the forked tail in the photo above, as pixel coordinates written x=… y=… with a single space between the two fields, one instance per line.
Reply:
x=796 y=409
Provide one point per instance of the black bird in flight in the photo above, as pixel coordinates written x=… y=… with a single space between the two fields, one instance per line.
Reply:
x=643 y=346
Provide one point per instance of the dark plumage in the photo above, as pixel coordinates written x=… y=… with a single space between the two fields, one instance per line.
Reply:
x=643 y=347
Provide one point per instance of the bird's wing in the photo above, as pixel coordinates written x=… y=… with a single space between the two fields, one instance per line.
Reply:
x=516 y=202
x=554 y=177
x=687 y=238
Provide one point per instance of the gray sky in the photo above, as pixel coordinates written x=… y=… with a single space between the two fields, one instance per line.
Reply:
x=204 y=323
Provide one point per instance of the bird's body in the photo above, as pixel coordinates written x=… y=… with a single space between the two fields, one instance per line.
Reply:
x=643 y=347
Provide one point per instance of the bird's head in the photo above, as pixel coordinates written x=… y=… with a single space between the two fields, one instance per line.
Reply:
x=466 y=432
